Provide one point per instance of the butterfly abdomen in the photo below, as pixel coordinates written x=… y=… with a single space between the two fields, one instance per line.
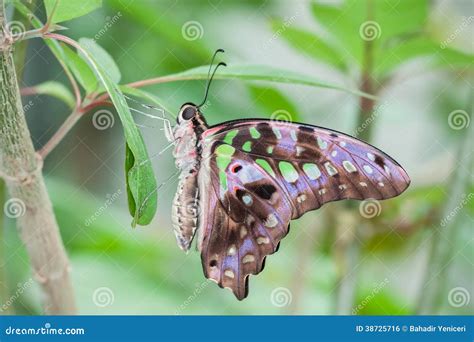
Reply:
x=186 y=209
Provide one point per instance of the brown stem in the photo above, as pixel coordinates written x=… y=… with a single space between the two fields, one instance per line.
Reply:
x=67 y=125
x=348 y=250
x=20 y=166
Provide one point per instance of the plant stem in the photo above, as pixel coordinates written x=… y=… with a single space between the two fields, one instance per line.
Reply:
x=20 y=166
x=348 y=248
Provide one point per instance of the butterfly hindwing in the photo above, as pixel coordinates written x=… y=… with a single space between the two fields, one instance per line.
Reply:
x=241 y=226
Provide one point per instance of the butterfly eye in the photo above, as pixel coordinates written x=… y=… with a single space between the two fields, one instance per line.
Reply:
x=188 y=113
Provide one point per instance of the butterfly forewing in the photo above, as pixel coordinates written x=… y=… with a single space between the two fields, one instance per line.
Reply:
x=257 y=175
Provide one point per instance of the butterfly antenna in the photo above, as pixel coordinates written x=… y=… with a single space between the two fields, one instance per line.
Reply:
x=212 y=61
x=208 y=85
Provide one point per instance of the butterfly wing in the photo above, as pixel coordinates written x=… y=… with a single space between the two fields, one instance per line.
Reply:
x=257 y=175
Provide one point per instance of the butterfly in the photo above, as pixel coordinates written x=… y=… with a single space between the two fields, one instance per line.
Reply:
x=241 y=182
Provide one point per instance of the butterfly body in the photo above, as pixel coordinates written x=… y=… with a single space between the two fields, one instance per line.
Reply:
x=243 y=181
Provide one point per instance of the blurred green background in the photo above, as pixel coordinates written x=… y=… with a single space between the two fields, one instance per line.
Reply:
x=415 y=255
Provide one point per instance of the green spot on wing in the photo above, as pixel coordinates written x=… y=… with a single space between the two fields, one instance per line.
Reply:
x=247 y=147
x=222 y=181
x=288 y=171
x=224 y=153
x=312 y=171
x=254 y=133
x=264 y=164
x=229 y=137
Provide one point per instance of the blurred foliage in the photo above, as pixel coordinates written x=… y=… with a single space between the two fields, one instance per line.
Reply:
x=274 y=49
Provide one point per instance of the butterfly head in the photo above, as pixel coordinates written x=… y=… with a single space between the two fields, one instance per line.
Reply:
x=187 y=112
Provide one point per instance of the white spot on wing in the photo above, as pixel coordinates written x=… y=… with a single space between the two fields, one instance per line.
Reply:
x=248 y=258
x=277 y=132
x=349 y=166
x=271 y=221
x=370 y=156
x=368 y=169
x=321 y=143
x=231 y=250
x=330 y=169
x=229 y=273
x=293 y=135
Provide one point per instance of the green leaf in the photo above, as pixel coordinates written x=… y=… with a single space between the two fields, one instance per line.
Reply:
x=310 y=44
x=144 y=13
x=81 y=70
x=348 y=22
x=103 y=58
x=274 y=103
x=260 y=73
x=69 y=9
x=141 y=183
x=57 y=90
x=390 y=59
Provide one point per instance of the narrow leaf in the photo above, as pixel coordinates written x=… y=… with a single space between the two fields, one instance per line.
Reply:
x=141 y=183
x=57 y=90
x=260 y=73
x=311 y=45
